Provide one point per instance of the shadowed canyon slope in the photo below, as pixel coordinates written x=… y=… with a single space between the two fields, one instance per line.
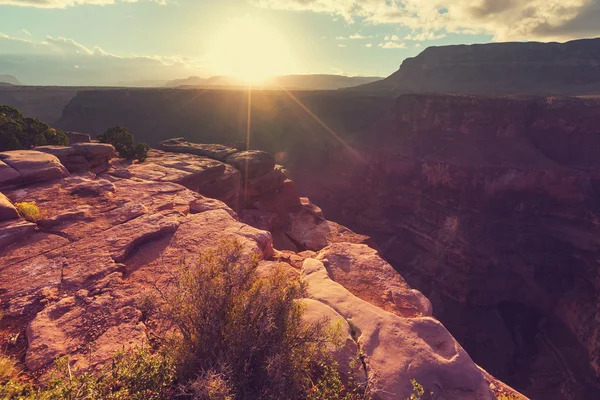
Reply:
x=487 y=205
x=499 y=68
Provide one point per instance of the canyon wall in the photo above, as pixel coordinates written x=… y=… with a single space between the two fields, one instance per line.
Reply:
x=489 y=206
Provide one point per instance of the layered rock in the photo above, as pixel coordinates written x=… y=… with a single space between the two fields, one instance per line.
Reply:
x=71 y=283
x=490 y=208
x=82 y=156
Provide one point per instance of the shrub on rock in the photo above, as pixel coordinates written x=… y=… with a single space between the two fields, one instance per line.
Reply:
x=123 y=142
x=20 y=132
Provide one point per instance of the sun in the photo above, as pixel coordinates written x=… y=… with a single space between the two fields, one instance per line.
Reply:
x=250 y=50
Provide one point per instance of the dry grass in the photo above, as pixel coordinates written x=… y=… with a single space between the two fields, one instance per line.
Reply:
x=8 y=368
x=29 y=210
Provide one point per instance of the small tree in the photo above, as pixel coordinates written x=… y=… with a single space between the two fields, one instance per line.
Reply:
x=122 y=140
x=18 y=132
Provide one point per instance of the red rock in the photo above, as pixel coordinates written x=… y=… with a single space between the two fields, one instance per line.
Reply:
x=9 y=176
x=7 y=210
x=252 y=163
x=214 y=151
x=34 y=166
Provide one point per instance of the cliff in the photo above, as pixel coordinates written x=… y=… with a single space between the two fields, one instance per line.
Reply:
x=490 y=207
x=70 y=282
x=500 y=68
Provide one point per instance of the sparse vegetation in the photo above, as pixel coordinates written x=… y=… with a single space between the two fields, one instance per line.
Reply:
x=123 y=142
x=224 y=333
x=8 y=369
x=135 y=375
x=29 y=210
x=20 y=132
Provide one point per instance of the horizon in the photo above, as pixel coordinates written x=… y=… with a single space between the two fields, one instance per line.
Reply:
x=111 y=42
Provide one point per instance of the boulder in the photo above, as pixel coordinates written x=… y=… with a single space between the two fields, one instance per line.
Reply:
x=76 y=137
x=9 y=176
x=180 y=145
x=7 y=210
x=267 y=183
x=34 y=166
x=252 y=163
x=398 y=350
x=12 y=231
x=362 y=271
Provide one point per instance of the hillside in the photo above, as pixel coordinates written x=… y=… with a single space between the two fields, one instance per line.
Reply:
x=9 y=79
x=297 y=82
x=500 y=68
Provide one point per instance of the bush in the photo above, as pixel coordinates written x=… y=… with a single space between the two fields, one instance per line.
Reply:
x=8 y=369
x=243 y=335
x=134 y=375
x=18 y=132
x=123 y=142
x=29 y=210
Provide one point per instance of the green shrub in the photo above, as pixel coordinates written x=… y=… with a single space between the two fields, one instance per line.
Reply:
x=140 y=152
x=123 y=142
x=19 y=132
x=134 y=375
x=245 y=334
x=29 y=210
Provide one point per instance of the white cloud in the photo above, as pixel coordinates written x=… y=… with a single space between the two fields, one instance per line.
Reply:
x=356 y=36
x=341 y=45
x=53 y=60
x=392 y=38
x=417 y=45
x=423 y=36
x=26 y=32
x=369 y=45
x=503 y=19
x=392 y=45
x=67 y=3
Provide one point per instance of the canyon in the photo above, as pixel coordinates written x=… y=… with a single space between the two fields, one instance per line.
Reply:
x=71 y=281
x=488 y=205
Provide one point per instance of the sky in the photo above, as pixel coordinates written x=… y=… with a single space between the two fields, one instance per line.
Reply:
x=108 y=42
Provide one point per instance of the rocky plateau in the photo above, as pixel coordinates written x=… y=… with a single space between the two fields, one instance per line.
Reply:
x=71 y=281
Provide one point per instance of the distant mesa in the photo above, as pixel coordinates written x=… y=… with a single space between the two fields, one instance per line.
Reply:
x=300 y=82
x=571 y=68
x=6 y=80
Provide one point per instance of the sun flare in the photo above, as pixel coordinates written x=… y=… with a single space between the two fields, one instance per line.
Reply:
x=250 y=50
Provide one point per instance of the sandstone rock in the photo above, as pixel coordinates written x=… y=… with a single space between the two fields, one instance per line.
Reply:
x=214 y=151
x=267 y=183
x=34 y=166
x=7 y=210
x=421 y=348
x=261 y=220
x=347 y=354
x=76 y=137
x=308 y=227
x=252 y=163
x=362 y=271
x=14 y=230
x=9 y=176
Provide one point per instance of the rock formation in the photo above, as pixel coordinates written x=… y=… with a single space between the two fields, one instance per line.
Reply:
x=490 y=207
x=499 y=68
x=70 y=282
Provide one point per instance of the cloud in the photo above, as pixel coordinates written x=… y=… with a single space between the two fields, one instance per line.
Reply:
x=392 y=38
x=369 y=45
x=356 y=36
x=342 y=45
x=503 y=19
x=392 y=45
x=67 y=3
x=63 y=61
x=423 y=36
x=26 y=32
